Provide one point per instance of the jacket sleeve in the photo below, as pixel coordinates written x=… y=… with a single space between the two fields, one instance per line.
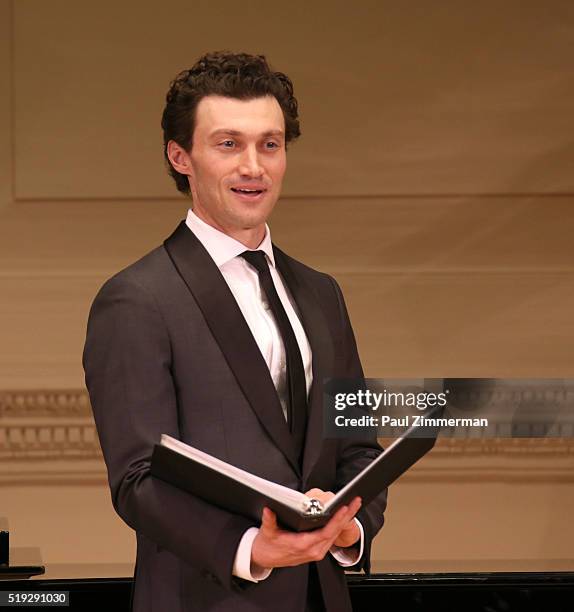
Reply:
x=356 y=453
x=127 y=362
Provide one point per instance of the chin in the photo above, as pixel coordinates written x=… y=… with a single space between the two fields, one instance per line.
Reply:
x=252 y=224
x=253 y=219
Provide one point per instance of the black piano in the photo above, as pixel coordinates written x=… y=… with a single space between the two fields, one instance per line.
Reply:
x=492 y=586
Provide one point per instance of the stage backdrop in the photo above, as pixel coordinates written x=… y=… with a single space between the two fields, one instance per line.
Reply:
x=434 y=179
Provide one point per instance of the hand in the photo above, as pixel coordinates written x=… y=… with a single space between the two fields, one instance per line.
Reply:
x=351 y=533
x=276 y=547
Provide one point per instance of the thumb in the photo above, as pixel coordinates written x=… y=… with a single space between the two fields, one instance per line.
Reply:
x=268 y=519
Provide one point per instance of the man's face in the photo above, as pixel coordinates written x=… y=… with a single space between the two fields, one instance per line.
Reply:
x=237 y=162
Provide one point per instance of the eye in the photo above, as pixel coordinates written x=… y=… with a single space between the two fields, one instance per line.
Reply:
x=271 y=145
x=227 y=144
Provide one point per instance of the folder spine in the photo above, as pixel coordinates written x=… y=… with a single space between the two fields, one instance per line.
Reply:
x=313 y=508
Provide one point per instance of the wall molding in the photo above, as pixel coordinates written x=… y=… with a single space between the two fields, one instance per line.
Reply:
x=49 y=436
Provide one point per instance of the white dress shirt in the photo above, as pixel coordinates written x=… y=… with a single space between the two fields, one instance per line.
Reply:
x=243 y=281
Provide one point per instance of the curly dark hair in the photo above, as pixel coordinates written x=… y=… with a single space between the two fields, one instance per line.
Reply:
x=222 y=73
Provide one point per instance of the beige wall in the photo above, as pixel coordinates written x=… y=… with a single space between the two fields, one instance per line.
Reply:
x=433 y=180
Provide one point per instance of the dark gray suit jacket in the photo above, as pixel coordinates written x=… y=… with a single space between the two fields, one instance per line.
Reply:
x=168 y=351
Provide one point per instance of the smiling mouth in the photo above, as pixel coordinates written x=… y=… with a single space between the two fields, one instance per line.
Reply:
x=247 y=191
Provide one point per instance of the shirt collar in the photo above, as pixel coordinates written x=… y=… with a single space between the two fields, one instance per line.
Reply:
x=221 y=247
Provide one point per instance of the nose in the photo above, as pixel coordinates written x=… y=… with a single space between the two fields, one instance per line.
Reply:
x=249 y=163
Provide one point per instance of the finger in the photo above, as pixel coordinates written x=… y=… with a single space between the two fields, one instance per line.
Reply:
x=341 y=518
x=322 y=497
x=268 y=519
x=355 y=506
x=336 y=523
x=351 y=517
x=352 y=510
x=314 y=492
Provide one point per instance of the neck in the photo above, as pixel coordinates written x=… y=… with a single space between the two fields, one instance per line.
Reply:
x=251 y=237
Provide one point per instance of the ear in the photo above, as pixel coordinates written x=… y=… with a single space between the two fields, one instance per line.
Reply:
x=179 y=158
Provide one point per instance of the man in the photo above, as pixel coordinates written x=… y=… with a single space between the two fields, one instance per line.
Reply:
x=220 y=339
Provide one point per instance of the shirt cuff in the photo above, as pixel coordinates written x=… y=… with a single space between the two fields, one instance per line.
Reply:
x=346 y=557
x=242 y=566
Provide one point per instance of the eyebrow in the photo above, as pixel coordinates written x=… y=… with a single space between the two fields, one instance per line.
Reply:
x=237 y=133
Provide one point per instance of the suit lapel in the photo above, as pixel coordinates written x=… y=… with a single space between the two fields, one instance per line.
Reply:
x=319 y=337
x=232 y=334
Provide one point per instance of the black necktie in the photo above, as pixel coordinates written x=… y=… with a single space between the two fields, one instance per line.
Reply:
x=297 y=400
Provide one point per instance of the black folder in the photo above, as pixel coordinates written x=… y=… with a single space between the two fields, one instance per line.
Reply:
x=238 y=491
